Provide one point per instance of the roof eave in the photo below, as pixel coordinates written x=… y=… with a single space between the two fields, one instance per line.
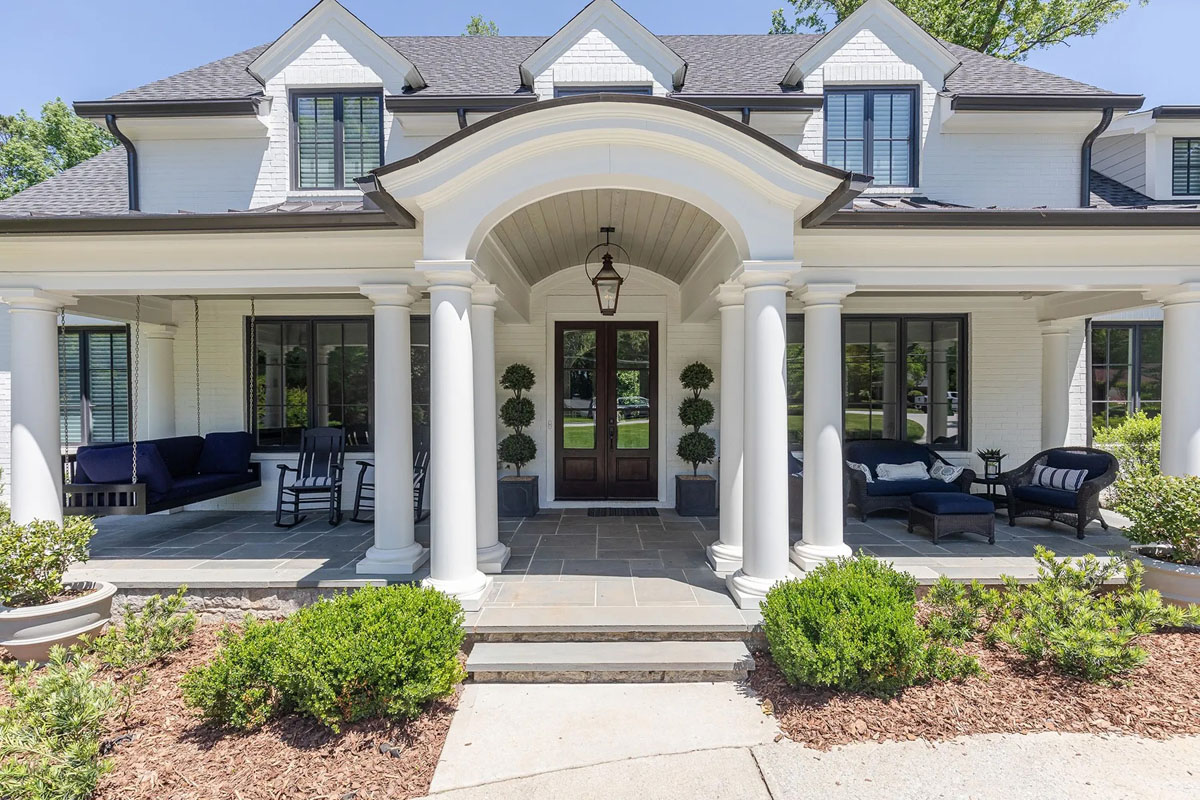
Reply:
x=219 y=107
x=1015 y=218
x=454 y=102
x=794 y=101
x=1046 y=102
x=1175 y=112
x=230 y=222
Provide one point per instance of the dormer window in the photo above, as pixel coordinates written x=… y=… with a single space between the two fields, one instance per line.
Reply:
x=336 y=137
x=873 y=131
x=1185 y=166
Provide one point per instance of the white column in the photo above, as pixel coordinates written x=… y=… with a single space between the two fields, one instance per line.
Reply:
x=396 y=551
x=725 y=555
x=1180 y=383
x=1056 y=385
x=36 y=480
x=452 y=565
x=156 y=384
x=764 y=444
x=491 y=554
x=824 y=503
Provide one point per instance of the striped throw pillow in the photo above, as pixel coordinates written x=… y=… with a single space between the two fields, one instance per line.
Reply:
x=1068 y=480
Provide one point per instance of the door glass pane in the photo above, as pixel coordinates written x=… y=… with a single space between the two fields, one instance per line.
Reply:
x=579 y=389
x=633 y=389
x=870 y=363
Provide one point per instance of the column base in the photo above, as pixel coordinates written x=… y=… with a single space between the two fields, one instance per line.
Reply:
x=749 y=591
x=491 y=560
x=403 y=561
x=810 y=556
x=724 y=558
x=469 y=592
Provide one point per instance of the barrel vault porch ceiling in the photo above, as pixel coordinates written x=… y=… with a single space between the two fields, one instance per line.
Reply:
x=660 y=233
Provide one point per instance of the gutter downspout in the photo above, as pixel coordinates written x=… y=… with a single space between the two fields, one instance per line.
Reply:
x=131 y=159
x=1085 y=166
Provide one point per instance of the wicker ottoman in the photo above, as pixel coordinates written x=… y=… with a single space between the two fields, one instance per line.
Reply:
x=951 y=512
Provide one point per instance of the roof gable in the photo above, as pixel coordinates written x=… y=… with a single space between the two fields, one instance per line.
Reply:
x=330 y=18
x=888 y=23
x=614 y=22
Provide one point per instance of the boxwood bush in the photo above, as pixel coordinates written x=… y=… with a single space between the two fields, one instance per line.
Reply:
x=34 y=557
x=376 y=652
x=851 y=624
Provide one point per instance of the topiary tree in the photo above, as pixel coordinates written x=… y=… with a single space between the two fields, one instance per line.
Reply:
x=695 y=446
x=517 y=412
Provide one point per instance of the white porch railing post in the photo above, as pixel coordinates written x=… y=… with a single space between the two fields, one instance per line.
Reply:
x=396 y=551
x=1181 y=383
x=725 y=555
x=491 y=554
x=452 y=563
x=1056 y=385
x=764 y=445
x=157 y=382
x=36 y=480
x=824 y=502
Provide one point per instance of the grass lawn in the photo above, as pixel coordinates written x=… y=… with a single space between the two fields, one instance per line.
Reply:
x=632 y=434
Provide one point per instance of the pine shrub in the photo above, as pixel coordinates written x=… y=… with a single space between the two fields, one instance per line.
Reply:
x=160 y=628
x=376 y=652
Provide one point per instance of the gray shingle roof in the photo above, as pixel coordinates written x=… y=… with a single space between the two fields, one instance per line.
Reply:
x=717 y=64
x=97 y=186
x=1110 y=193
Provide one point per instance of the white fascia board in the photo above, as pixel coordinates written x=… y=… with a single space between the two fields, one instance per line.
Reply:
x=1081 y=122
x=325 y=17
x=872 y=11
x=241 y=127
x=587 y=19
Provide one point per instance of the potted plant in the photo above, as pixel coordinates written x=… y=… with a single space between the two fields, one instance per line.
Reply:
x=991 y=462
x=696 y=494
x=37 y=610
x=1164 y=515
x=517 y=495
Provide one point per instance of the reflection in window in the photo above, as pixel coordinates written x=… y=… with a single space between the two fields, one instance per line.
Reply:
x=1126 y=366
x=870 y=348
x=633 y=389
x=579 y=389
x=932 y=391
x=795 y=382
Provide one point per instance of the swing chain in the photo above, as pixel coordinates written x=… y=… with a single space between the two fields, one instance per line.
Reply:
x=253 y=407
x=196 y=355
x=137 y=369
x=62 y=338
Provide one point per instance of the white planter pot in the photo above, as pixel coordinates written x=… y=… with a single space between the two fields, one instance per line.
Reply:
x=1177 y=583
x=29 y=633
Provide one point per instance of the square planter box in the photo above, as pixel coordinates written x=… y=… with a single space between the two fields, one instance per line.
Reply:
x=695 y=496
x=517 y=496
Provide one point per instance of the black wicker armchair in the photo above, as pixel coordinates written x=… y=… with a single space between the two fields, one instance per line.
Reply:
x=1077 y=509
x=879 y=495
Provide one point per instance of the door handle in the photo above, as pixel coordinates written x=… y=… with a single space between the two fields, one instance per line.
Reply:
x=612 y=432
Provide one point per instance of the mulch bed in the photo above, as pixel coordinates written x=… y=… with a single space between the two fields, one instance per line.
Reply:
x=175 y=755
x=1160 y=699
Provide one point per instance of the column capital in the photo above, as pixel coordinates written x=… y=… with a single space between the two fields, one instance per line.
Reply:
x=824 y=294
x=30 y=299
x=389 y=294
x=446 y=272
x=154 y=331
x=1054 y=328
x=729 y=294
x=485 y=294
x=1182 y=294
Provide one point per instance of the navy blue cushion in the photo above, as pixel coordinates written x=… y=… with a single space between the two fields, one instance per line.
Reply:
x=1044 y=496
x=114 y=465
x=1096 y=464
x=895 y=488
x=225 y=453
x=887 y=451
x=180 y=453
x=196 y=485
x=795 y=465
x=952 y=503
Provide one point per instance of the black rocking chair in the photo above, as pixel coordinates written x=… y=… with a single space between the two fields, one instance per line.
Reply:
x=364 y=494
x=318 y=479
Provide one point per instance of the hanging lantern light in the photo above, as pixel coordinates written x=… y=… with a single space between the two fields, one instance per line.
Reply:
x=607 y=281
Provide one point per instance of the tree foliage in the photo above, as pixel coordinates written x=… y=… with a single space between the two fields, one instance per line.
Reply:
x=34 y=149
x=478 y=26
x=1009 y=29
x=517 y=412
x=696 y=447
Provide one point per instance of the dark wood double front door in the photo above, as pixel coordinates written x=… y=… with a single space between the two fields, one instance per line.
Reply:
x=606 y=428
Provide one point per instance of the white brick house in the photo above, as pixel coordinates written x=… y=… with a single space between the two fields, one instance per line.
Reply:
x=876 y=230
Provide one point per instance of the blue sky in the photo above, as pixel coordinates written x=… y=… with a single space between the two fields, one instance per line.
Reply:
x=88 y=50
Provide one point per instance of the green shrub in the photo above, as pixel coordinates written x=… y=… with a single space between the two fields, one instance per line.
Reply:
x=376 y=652
x=960 y=611
x=34 y=557
x=517 y=412
x=1069 y=619
x=517 y=378
x=144 y=637
x=50 y=733
x=696 y=447
x=1135 y=441
x=517 y=449
x=851 y=624
x=1164 y=509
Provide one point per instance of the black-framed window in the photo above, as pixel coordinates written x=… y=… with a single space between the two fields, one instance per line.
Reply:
x=572 y=91
x=1126 y=370
x=318 y=371
x=873 y=131
x=93 y=385
x=904 y=377
x=336 y=137
x=1185 y=166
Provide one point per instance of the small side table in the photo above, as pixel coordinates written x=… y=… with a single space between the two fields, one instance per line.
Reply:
x=990 y=486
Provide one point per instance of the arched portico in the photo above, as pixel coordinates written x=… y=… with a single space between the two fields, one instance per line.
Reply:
x=738 y=186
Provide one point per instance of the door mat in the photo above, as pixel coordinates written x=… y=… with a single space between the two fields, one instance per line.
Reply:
x=622 y=512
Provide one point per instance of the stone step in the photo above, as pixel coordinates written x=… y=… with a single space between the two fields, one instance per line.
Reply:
x=624 y=623
x=609 y=662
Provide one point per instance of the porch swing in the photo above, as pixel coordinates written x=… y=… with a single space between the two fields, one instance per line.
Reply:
x=137 y=478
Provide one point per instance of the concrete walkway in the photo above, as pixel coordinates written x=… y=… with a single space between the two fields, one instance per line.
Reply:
x=651 y=741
